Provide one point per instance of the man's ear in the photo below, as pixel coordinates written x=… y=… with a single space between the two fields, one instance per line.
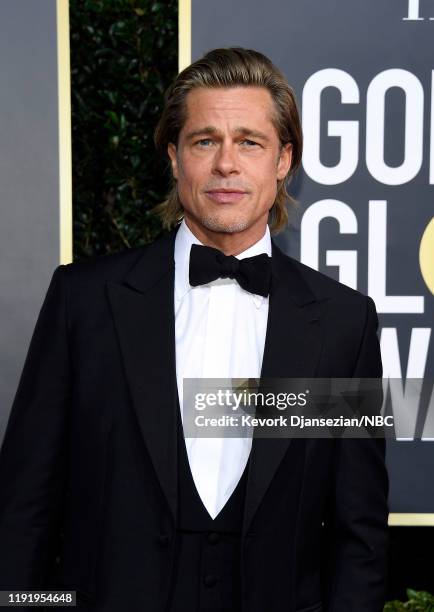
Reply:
x=284 y=162
x=171 y=151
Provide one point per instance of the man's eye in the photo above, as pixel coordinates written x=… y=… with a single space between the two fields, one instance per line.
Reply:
x=249 y=143
x=204 y=142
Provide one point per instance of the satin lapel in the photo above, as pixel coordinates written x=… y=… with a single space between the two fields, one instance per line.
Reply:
x=143 y=312
x=292 y=350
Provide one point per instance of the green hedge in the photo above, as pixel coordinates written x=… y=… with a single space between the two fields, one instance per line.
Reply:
x=123 y=57
x=418 y=601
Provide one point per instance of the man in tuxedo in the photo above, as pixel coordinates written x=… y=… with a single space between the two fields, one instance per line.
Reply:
x=101 y=492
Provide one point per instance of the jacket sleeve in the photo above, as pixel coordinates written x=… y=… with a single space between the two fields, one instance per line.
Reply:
x=359 y=511
x=34 y=451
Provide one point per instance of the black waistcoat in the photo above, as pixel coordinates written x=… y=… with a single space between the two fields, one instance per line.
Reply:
x=207 y=565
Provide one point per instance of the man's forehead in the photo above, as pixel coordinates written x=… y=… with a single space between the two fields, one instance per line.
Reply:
x=249 y=103
x=236 y=94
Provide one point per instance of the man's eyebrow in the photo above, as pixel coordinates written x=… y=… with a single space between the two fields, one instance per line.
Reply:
x=208 y=129
x=242 y=131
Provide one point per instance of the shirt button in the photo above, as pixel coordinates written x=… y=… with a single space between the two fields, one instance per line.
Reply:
x=213 y=538
x=210 y=580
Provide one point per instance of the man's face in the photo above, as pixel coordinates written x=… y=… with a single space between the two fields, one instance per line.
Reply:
x=228 y=160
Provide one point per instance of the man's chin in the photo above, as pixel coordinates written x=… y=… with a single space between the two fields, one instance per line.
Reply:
x=225 y=226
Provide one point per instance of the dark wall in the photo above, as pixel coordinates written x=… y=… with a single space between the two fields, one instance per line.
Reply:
x=29 y=178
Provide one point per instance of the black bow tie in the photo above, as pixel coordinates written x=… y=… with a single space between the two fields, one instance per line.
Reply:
x=252 y=273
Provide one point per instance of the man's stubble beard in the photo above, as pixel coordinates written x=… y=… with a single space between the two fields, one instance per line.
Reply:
x=214 y=224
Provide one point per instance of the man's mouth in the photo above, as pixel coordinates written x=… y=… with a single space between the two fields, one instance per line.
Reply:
x=225 y=195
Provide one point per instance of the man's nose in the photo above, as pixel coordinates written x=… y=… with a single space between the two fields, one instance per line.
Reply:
x=226 y=160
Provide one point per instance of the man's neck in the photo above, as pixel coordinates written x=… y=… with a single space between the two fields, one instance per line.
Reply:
x=232 y=243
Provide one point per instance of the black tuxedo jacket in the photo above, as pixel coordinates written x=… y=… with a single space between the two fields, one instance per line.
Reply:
x=88 y=468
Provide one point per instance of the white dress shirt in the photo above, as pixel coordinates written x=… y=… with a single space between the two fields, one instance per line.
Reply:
x=220 y=333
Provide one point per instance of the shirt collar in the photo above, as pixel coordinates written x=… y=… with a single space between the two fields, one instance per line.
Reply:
x=183 y=241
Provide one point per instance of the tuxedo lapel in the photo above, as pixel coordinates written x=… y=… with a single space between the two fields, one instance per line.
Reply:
x=292 y=350
x=143 y=312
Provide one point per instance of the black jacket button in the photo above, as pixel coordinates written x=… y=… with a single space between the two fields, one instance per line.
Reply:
x=164 y=539
x=213 y=538
x=210 y=580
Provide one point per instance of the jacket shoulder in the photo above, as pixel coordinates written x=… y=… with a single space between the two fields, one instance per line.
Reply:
x=108 y=268
x=323 y=286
